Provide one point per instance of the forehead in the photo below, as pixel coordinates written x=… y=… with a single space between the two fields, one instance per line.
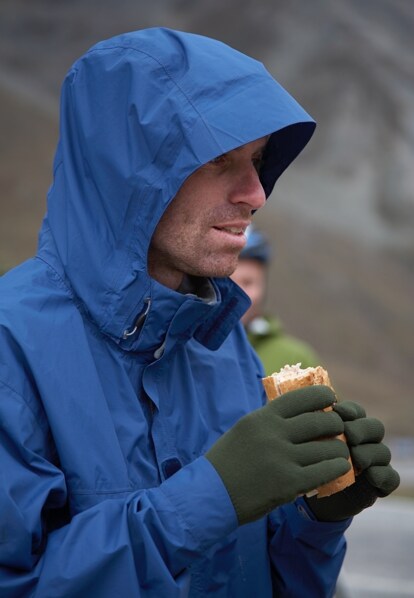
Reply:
x=253 y=146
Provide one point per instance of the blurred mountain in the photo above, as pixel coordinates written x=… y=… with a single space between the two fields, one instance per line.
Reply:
x=341 y=218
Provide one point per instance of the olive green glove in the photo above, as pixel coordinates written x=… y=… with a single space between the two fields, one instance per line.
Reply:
x=274 y=454
x=371 y=459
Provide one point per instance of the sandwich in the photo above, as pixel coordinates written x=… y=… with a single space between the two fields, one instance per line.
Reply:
x=292 y=377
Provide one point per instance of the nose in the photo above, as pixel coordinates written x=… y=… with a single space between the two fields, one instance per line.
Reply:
x=248 y=189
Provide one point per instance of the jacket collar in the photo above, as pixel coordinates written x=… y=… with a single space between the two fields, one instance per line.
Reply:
x=171 y=318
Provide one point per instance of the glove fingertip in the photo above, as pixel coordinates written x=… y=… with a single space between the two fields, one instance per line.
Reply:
x=385 y=478
x=349 y=410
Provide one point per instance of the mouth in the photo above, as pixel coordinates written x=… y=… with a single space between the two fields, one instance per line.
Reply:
x=231 y=237
x=236 y=230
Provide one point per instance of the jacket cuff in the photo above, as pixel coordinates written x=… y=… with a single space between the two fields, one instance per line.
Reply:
x=327 y=537
x=201 y=500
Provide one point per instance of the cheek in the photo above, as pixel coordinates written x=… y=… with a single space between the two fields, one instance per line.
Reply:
x=185 y=216
x=174 y=223
x=257 y=293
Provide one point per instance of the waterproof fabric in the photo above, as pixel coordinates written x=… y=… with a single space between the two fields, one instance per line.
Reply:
x=105 y=415
x=276 y=348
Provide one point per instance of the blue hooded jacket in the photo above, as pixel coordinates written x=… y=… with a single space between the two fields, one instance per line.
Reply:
x=112 y=387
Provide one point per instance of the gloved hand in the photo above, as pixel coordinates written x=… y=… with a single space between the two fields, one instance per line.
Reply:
x=371 y=460
x=276 y=453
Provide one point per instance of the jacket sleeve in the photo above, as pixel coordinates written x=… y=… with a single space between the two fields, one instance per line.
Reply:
x=139 y=545
x=306 y=554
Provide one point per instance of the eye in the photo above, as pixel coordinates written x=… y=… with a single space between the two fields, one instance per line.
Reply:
x=219 y=160
x=258 y=162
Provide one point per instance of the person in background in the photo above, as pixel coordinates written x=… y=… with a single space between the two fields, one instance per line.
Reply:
x=265 y=332
x=139 y=456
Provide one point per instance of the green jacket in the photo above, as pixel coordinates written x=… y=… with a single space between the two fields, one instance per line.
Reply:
x=275 y=348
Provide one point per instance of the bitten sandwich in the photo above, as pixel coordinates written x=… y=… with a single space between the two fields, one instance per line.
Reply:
x=292 y=377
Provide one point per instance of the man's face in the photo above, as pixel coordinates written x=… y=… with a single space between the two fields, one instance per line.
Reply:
x=250 y=275
x=202 y=231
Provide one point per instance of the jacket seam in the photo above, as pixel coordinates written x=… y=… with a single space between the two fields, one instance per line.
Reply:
x=58 y=277
x=93 y=491
x=23 y=400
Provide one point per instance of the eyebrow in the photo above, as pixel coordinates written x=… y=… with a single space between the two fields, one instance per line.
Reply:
x=259 y=150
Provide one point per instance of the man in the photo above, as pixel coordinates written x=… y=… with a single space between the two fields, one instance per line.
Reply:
x=265 y=333
x=137 y=456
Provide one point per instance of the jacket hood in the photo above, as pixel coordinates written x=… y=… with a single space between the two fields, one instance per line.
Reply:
x=140 y=112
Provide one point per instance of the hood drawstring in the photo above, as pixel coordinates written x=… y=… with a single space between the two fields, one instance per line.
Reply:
x=139 y=321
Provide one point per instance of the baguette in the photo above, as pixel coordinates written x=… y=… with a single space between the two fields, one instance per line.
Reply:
x=292 y=377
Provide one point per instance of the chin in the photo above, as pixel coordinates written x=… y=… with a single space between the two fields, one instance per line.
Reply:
x=222 y=272
x=218 y=269
x=226 y=268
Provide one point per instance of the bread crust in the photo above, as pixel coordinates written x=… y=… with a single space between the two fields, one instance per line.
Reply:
x=294 y=377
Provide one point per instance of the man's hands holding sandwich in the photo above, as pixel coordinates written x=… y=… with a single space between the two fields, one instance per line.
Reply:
x=287 y=448
x=280 y=451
